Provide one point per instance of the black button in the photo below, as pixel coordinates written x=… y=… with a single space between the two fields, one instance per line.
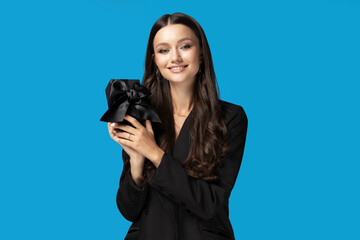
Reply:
x=190 y=212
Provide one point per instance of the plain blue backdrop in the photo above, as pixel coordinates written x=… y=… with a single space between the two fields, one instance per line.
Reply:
x=292 y=65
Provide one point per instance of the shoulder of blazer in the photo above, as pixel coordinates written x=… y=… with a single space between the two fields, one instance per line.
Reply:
x=232 y=111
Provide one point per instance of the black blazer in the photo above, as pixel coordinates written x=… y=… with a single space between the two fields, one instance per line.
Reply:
x=177 y=206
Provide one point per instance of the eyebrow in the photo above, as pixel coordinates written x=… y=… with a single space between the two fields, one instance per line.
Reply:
x=183 y=39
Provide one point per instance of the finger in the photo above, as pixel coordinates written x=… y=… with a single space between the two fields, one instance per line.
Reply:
x=115 y=125
x=123 y=142
x=118 y=127
x=149 y=126
x=111 y=130
x=113 y=135
x=126 y=136
x=133 y=121
x=126 y=128
x=112 y=125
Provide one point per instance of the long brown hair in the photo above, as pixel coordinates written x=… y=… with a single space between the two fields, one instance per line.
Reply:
x=208 y=129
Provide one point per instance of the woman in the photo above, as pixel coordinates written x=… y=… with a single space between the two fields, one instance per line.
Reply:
x=177 y=176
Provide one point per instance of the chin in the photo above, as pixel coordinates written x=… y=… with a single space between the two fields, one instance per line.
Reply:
x=178 y=79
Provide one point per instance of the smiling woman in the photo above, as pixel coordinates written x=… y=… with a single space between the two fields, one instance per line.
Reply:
x=178 y=174
x=177 y=50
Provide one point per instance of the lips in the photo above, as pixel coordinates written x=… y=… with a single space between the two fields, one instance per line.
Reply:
x=177 y=67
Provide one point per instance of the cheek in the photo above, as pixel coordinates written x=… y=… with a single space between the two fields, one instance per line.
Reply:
x=193 y=56
x=160 y=60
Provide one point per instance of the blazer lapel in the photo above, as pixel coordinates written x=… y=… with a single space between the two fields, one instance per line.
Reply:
x=182 y=145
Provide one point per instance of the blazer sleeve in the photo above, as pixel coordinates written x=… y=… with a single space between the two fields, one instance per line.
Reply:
x=130 y=198
x=202 y=198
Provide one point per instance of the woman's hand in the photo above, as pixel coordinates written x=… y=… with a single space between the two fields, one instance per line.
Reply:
x=137 y=141
x=135 y=157
x=141 y=139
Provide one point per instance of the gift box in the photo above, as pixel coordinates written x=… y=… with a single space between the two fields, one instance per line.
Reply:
x=128 y=96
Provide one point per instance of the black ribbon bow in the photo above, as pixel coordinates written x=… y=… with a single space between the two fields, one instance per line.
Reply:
x=128 y=96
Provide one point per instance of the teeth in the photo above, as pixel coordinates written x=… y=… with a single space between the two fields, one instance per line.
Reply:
x=177 y=67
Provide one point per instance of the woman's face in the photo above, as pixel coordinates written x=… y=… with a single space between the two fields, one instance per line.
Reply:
x=177 y=53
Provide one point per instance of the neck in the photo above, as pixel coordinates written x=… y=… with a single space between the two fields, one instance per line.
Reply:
x=181 y=98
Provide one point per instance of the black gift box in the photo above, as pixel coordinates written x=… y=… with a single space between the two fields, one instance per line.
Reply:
x=128 y=96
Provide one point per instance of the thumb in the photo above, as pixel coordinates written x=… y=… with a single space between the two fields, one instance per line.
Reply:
x=149 y=126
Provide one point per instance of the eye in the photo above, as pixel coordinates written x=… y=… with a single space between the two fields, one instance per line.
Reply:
x=186 y=46
x=162 y=51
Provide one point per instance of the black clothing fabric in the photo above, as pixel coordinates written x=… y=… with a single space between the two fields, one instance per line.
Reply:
x=176 y=206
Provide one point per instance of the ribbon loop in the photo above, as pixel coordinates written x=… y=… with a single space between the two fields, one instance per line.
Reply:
x=125 y=96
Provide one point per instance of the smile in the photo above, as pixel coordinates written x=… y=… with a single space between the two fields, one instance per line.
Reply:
x=178 y=69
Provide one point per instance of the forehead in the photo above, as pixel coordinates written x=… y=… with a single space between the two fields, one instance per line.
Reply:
x=170 y=34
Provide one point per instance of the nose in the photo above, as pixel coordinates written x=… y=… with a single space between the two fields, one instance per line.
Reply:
x=176 y=56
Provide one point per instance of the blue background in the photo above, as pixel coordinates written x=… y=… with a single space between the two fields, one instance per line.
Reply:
x=292 y=65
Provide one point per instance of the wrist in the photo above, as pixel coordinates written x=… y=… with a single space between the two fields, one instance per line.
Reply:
x=158 y=156
x=136 y=175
